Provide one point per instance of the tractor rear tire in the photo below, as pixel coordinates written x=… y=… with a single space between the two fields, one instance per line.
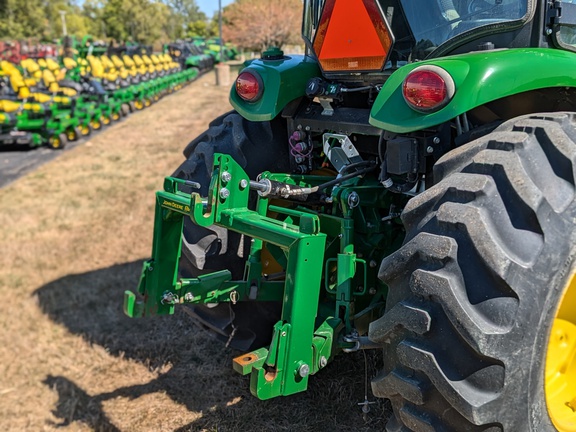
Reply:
x=489 y=257
x=257 y=147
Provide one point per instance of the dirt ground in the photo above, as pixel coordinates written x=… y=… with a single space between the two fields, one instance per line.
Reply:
x=73 y=235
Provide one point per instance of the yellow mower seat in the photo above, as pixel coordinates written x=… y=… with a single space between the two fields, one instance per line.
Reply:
x=32 y=68
x=118 y=63
x=142 y=69
x=96 y=67
x=69 y=63
x=52 y=85
x=108 y=64
x=10 y=106
x=52 y=65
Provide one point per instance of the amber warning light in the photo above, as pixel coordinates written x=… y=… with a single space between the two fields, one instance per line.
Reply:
x=352 y=36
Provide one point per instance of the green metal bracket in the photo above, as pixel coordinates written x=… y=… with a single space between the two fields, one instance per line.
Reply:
x=284 y=367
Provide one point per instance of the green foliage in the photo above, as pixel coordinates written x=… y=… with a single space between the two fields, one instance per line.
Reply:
x=144 y=21
x=202 y=28
x=21 y=18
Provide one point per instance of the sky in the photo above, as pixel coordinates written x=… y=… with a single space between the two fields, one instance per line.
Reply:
x=209 y=7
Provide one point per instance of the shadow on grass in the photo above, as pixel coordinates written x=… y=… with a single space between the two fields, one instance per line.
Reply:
x=200 y=375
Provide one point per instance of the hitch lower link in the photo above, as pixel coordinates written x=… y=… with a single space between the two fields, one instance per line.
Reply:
x=298 y=348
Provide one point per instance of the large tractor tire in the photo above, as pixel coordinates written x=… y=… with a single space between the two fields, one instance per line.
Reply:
x=483 y=290
x=257 y=147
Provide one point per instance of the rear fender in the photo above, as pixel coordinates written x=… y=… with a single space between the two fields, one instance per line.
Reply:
x=284 y=80
x=479 y=77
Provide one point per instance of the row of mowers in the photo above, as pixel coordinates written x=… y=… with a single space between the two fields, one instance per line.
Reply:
x=46 y=102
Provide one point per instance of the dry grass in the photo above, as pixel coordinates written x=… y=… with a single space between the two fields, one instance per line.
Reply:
x=73 y=236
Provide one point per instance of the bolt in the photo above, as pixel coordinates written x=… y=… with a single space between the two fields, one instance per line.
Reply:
x=429 y=149
x=189 y=297
x=304 y=370
x=299 y=127
x=353 y=200
x=243 y=184
x=328 y=200
x=373 y=264
x=226 y=176
x=548 y=32
x=283 y=334
x=372 y=291
x=436 y=140
x=150 y=268
x=224 y=193
x=307 y=128
x=323 y=361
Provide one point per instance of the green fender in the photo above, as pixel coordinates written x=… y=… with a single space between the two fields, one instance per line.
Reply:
x=479 y=77
x=284 y=80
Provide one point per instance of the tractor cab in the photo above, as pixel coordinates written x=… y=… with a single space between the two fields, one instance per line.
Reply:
x=343 y=36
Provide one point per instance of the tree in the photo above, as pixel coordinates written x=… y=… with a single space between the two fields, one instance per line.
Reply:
x=76 y=22
x=142 y=21
x=21 y=19
x=258 y=24
x=202 y=28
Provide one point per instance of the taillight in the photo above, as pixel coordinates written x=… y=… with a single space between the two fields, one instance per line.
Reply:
x=249 y=86
x=428 y=88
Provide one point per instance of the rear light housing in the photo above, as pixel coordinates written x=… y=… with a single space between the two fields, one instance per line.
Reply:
x=428 y=88
x=249 y=86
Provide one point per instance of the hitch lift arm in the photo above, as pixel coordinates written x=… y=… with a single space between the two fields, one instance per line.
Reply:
x=298 y=349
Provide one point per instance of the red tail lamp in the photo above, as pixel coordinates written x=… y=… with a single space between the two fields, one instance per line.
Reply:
x=352 y=36
x=249 y=86
x=428 y=88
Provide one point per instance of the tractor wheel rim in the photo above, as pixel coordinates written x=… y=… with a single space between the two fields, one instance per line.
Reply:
x=85 y=130
x=560 y=375
x=55 y=142
x=71 y=135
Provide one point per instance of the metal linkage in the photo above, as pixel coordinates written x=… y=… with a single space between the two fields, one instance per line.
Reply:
x=297 y=349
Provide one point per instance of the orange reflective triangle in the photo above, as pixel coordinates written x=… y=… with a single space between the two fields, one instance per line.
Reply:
x=351 y=30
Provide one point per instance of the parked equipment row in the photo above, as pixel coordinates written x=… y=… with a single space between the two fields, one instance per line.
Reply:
x=46 y=102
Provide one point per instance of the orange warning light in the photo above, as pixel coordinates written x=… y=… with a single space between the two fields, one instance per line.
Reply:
x=352 y=36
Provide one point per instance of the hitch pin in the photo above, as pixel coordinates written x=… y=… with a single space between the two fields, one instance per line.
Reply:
x=234 y=297
x=360 y=343
x=192 y=184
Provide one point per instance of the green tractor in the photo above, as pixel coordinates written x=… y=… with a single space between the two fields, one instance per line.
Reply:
x=408 y=185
